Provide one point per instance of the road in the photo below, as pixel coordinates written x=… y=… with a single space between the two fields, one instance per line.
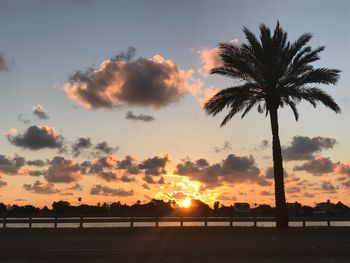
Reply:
x=175 y=245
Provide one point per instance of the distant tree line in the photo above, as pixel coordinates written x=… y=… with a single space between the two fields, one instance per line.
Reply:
x=161 y=208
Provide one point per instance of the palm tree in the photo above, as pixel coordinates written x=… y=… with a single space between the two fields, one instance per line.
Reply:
x=274 y=73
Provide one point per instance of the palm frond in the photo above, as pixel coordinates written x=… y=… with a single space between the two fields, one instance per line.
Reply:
x=250 y=105
x=254 y=43
x=275 y=73
x=292 y=105
x=319 y=75
x=298 y=44
x=315 y=96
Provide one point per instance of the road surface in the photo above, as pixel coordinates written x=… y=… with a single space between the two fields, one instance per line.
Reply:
x=175 y=245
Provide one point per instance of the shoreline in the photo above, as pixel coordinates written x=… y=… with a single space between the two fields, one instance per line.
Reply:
x=187 y=229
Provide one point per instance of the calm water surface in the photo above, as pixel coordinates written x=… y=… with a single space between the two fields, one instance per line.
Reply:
x=165 y=224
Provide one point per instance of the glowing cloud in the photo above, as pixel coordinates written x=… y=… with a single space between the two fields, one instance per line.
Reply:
x=210 y=57
x=154 y=82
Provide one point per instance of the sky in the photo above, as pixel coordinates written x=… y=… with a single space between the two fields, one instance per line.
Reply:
x=65 y=133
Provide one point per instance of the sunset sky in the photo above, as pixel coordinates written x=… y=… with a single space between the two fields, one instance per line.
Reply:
x=103 y=100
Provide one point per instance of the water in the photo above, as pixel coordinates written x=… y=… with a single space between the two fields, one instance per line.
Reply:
x=166 y=224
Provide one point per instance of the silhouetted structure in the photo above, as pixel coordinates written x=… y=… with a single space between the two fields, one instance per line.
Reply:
x=160 y=208
x=241 y=208
x=273 y=73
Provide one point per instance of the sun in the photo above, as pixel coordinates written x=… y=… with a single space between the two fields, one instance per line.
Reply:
x=186 y=203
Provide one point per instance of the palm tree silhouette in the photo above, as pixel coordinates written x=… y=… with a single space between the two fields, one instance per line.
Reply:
x=274 y=73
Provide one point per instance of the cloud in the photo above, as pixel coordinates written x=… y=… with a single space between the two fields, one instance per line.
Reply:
x=225 y=196
x=127 y=178
x=20 y=200
x=37 y=162
x=2 y=183
x=153 y=82
x=293 y=190
x=344 y=168
x=154 y=169
x=264 y=144
x=155 y=165
x=210 y=57
x=105 y=190
x=10 y=166
x=108 y=176
x=129 y=164
x=317 y=166
x=346 y=184
x=146 y=187
x=269 y=173
x=40 y=188
x=37 y=137
x=40 y=112
x=110 y=169
x=328 y=187
x=82 y=143
x=224 y=148
x=151 y=180
x=3 y=63
x=36 y=173
x=266 y=193
x=23 y=119
x=308 y=195
x=106 y=162
x=141 y=117
x=305 y=148
x=233 y=169
x=61 y=170
x=76 y=187
x=178 y=195
x=104 y=148
x=208 y=93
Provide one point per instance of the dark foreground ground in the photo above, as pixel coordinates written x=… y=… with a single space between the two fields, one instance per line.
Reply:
x=197 y=244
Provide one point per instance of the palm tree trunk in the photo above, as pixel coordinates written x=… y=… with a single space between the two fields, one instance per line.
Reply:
x=280 y=199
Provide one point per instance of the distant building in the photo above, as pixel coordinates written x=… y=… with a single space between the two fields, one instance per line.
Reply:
x=241 y=207
x=325 y=208
x=295 y=208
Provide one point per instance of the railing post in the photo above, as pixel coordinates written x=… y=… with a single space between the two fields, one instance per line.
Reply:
x=304 y=223
x=157 y=221
x=255 y=223
x=81 y=222
x=205 y=221
x=328 y=222
x=231 y=221
x=132 y=222
x=4 y=223
x=55 y=221
x=30 y=221
x=181 y=222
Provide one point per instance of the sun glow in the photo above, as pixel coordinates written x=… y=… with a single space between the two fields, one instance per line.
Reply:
x=186 y=203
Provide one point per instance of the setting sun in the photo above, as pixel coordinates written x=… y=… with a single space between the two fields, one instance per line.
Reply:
x=186 y=203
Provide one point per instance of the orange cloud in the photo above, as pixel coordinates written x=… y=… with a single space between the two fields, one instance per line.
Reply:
x=154 y=82
x=210 y=57
x=208 y=93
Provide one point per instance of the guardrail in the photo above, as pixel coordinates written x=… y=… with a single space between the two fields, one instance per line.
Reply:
x=29 y=221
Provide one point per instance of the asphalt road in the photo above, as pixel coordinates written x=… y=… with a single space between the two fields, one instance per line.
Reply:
x=328 y=245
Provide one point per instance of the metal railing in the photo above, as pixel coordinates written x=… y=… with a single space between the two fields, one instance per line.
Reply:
x=28 y=222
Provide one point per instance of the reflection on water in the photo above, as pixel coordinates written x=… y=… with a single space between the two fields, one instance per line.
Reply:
x=316 y=223
x=340 y=223
x=168 y=224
